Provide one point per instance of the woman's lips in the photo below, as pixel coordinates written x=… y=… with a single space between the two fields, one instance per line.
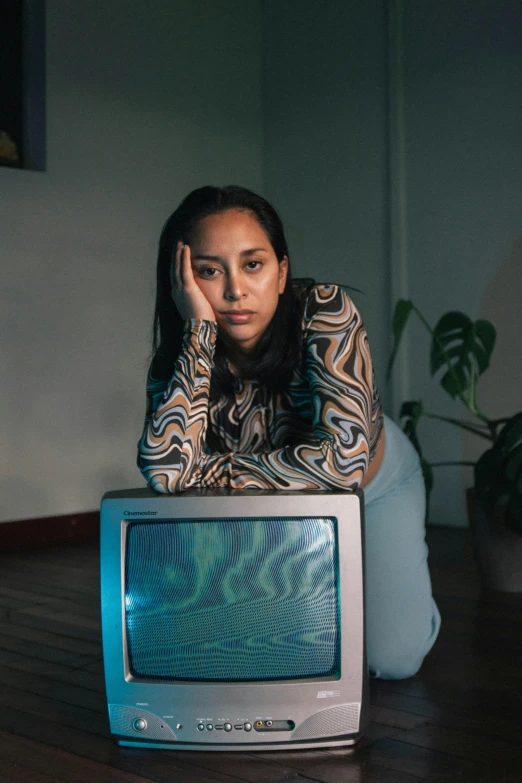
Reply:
x=239 y=317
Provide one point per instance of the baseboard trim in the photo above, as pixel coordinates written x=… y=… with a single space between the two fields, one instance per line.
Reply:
x=46 y=530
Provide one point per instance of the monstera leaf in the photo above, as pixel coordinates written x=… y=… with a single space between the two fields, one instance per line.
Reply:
x=464 y=349
x=498 y=473
x=467 y=346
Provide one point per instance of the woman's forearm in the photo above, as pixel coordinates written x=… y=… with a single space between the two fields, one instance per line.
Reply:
x=175 y=427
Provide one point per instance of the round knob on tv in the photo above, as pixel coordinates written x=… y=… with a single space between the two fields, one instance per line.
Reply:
x=228 y=727
x=139 y=724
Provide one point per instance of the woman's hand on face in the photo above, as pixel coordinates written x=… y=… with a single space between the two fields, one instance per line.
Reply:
x=187 y=296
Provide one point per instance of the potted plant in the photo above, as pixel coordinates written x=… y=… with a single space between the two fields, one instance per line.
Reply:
x=461 y=351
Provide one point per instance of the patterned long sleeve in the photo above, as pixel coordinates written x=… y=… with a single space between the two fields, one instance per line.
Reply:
x=177 y=413
x=345 y=414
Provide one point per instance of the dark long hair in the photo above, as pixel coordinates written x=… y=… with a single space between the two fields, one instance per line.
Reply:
x=278 y=351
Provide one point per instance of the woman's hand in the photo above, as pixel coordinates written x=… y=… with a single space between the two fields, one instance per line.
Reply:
x=188 y=298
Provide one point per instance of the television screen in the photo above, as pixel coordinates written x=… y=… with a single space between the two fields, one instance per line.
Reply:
x=232 y=599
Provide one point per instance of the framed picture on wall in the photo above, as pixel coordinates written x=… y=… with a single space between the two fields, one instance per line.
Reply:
x=22 y=84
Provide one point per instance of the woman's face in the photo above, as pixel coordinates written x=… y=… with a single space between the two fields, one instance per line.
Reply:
x=237 y=270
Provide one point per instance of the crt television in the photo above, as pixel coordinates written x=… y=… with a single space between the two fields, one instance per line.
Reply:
x=234 y=620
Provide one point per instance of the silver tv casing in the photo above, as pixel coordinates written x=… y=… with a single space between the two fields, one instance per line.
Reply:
x=324 y=712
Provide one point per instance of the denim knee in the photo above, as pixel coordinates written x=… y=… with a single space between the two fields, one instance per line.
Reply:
x=402 y=658
x=395 y=667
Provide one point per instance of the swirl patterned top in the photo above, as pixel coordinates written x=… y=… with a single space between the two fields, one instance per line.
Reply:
x=321 y=433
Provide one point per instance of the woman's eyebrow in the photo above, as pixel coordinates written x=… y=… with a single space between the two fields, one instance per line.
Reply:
x=219 y=258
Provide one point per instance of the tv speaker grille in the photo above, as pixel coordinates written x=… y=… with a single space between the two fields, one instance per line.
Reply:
x=343 y=719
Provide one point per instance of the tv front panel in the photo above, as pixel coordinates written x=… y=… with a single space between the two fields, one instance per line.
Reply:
x=234 y=619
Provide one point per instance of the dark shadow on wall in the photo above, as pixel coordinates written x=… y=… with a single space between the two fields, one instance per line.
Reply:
x=499 y=393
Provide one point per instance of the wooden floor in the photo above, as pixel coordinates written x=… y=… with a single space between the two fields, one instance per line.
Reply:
x=459 y=719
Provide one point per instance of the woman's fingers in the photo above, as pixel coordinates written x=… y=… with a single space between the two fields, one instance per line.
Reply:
x=179 y=280
x=187 y=277
x=179 y=267
x=174 y=270
x=184 y=277
x=188 y=298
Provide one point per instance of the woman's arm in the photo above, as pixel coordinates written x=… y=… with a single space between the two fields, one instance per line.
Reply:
x=338 y=369
x=177 y=412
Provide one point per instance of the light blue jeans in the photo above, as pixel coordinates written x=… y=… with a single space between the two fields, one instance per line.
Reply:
x=402 y=619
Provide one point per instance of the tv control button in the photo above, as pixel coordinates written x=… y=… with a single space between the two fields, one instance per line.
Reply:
x=239 y=726
x=209 y=727
x=248 y=727
x=139 y=724
x=219 y=728
x=179 y=726
x=228 y=727
x=201 y=727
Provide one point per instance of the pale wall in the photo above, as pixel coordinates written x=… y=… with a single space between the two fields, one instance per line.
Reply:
x=393 y=148
x=142 y=109
x=142 y=106
x=463 y=164
x=326 y=148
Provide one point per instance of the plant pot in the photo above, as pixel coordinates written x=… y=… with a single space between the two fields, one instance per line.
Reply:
x=498 y=549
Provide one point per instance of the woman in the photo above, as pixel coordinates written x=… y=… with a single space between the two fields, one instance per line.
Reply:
x=261 y=381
